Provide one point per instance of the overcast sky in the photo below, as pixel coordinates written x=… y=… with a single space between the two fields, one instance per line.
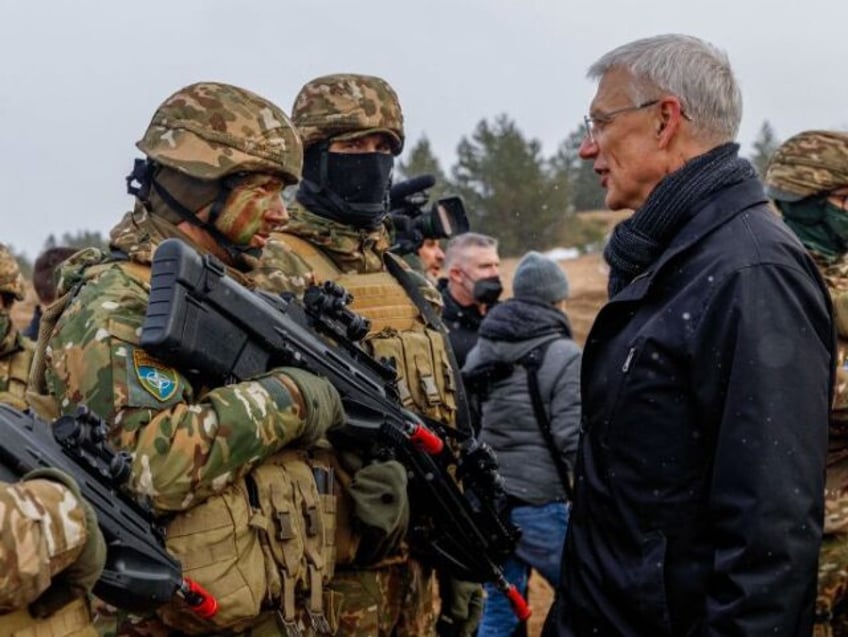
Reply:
x=79 y=80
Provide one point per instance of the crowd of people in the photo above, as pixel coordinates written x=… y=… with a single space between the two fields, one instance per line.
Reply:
x=684 y=474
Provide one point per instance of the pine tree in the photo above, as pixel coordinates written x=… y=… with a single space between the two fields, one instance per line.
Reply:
x=508 y=187
x=765 y=144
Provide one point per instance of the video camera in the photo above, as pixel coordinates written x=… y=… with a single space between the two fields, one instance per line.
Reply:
x=412 y=223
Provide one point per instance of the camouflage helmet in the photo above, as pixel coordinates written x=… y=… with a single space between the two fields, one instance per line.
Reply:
x=806 y=164
x=210 y=130
x=347 y=106
x=11 y=279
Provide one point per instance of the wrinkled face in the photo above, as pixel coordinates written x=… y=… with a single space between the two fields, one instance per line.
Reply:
x=432 y=257
x=623 y=146
x=371 y=143
x=254 y=208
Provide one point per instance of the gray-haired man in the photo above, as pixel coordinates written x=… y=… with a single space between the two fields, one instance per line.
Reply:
x=706 y=379
x=472 y=285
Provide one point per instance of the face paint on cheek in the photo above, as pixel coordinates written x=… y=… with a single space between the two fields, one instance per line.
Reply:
x=242 y=216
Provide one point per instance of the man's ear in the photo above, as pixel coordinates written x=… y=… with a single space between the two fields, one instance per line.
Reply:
x=668 y=123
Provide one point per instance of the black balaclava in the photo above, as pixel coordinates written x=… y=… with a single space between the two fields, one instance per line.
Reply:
x=351 y=188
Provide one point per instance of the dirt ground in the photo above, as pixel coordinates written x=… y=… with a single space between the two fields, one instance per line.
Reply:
x=587 y=278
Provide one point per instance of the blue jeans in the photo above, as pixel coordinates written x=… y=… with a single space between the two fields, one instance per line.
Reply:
x=540 y=547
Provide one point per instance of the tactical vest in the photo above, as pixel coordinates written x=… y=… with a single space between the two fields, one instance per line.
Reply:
x=72 y=620
x=14 y=374
x=398 y=333
x=264 y=547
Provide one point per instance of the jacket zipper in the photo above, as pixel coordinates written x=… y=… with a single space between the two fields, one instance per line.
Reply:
x=626 y=367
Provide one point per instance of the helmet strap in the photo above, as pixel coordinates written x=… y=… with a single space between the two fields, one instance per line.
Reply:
x=235 y=252
x=140 y=179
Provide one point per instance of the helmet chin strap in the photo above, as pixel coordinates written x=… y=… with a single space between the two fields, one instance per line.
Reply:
x=143 y=175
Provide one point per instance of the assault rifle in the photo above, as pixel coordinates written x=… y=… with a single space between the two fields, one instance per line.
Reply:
x=140 y=574
x=201 y=320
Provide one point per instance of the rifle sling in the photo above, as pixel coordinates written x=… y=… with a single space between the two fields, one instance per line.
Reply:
x=463 y=414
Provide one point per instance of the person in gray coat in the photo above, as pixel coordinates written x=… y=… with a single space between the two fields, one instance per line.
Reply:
x=531 y=326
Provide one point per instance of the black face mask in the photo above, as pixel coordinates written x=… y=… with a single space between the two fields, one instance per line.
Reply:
x=360 y=178
x=487 y=291
x=346 y=187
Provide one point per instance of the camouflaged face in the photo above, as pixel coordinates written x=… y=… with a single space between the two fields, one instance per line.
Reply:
x=346 y=106
x=11 y=279
x=808 y=163
x=209 y=130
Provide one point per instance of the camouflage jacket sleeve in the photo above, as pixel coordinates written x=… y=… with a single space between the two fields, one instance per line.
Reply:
x=187 y=443
x=42 y=532
x=280 y=270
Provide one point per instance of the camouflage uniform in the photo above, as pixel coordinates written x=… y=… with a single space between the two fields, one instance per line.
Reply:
x=42 y=532
x=391 y=595
x=15 y=350
x=808 y=164
x=188 y=442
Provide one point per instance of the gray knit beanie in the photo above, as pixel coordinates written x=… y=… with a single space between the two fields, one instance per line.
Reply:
x=539 y=279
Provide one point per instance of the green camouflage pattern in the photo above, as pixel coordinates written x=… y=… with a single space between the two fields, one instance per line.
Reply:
x=210 y=130
x=351 y=250
x=42 y=532
x=832 y=600
x=347 y=106
x=15 y=359
x=806 y=164
x=393 y=601
x=187 y=442
x=395 y=597
x=831 y=615
x=11 y=279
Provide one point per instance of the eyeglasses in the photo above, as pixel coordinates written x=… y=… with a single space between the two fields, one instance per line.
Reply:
x=595 y=123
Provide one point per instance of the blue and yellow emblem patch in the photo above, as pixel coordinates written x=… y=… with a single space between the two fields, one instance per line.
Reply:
x=157 y=380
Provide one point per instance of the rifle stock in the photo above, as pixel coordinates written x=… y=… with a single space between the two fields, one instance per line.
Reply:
x=139 y=575
x=202 y=320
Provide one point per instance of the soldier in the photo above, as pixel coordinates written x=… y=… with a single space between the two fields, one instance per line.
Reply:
x=15 y=350
x=352 y=128
x=808 y=180
x=51 y=554
x=217 y=159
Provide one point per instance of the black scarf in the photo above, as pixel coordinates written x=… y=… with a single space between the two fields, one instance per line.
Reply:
x=640 y=240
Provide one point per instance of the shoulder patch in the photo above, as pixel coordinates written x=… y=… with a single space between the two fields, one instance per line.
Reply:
x=159 y=381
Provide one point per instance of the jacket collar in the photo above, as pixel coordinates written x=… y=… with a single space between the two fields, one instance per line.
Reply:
x=712 y=214
x=348 y=247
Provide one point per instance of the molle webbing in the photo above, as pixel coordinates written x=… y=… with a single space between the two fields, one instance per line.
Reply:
x=72 y=620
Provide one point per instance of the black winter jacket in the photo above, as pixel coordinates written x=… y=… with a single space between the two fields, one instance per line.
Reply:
x=700 y=473
x=462 y=322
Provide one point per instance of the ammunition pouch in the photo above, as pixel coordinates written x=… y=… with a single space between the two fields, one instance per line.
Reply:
x=266 y=544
